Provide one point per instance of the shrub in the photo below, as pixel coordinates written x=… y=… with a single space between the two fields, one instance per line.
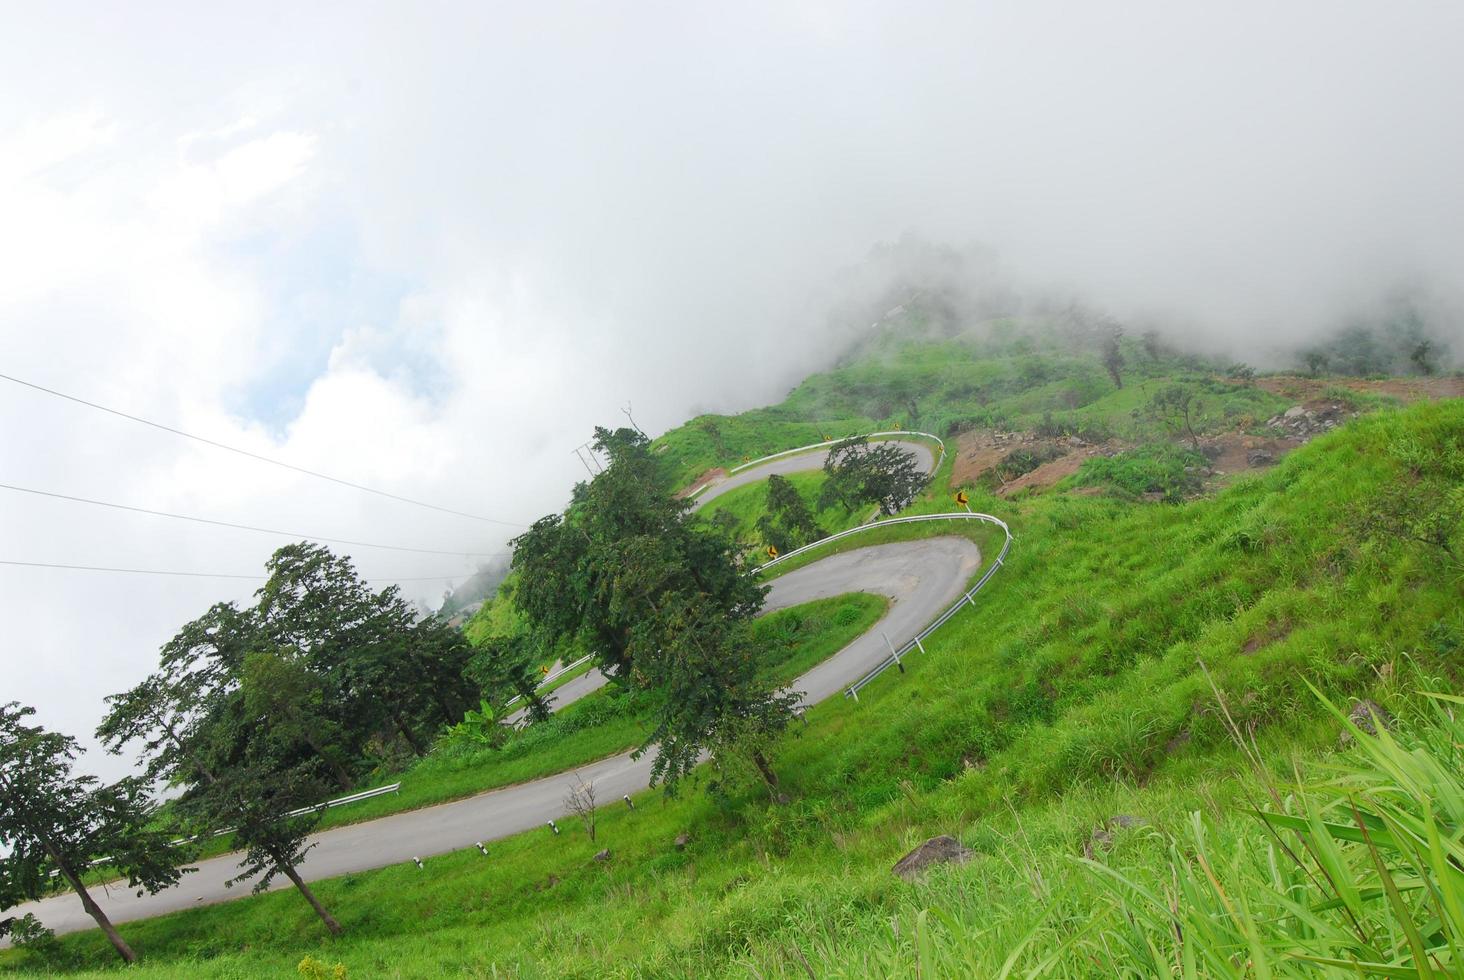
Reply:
x=1158 y=468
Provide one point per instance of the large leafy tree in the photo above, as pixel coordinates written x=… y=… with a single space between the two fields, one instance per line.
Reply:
x=52 y=818
x=570 y=565
x=383 y=669
x=657 y=596
x=236 y=774
x=858 y=474
x=169 y=714
x=259 y=785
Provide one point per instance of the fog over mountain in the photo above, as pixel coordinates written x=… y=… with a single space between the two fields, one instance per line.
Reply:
x=426 y=247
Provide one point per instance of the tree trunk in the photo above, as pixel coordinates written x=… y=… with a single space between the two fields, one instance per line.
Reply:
x=341 y=776
x=407 y=734
x=769 y=777
x=94 y=910
x=449 y=717
x=326 y=917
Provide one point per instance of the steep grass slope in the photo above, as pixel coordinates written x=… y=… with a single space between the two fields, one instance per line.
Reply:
x=1089 y=704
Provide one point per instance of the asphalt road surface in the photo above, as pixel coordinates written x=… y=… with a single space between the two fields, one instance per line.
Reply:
x=920 y=578
x=593 y=680
x=802 y=463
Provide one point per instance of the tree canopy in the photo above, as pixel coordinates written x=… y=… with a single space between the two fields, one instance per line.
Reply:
x=52 y=818
x=659 y=598
x=859 y=474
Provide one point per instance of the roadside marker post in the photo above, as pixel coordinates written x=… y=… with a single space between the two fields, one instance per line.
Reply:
x=419 y=863
x=898 y=662
x=554 y=828
x=626 y=798
x=481 y=849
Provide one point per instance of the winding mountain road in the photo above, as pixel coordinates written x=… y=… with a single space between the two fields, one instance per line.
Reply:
x=802 y=463
x=920 y=579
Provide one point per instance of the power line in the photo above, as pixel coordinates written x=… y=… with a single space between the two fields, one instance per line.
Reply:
x=257 y=456
x=245 y=527
x=155 y=571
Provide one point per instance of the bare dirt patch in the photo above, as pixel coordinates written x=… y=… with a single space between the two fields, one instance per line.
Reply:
x=1273 y=632
x=978 y=452
x=1406 y=390
x=1239 y=452
x=710 y=476
x=1053 y=470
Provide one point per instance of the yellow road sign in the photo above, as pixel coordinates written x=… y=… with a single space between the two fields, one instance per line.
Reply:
x=772 y=552
x=961 y=497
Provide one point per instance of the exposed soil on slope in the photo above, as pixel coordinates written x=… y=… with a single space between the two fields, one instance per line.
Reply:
x=978 y=451
x=981 y=451
x=1240 y=452
x=710 y=476
x=1054 y=470
x=1406 y=390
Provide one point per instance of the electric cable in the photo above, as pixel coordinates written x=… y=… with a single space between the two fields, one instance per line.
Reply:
x=245 y=527
x=257 y=456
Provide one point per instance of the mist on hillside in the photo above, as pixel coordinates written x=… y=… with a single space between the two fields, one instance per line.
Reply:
x=427 y=249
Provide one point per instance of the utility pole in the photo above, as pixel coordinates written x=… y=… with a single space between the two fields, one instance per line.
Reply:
x=586 y=455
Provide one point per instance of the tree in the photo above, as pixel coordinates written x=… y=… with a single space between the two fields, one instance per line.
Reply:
x=1316 y=362
x=170 y=711
x=504 y=667
x=1421 y=355
x=858 y=474
x=1178 y=409
x=1152 y=343
x=1112 y=352
x=580 y=801
x=658 y=597
x=202 y=736
x=506 y=653
x=570 y=565
x=383 y=670
x=53 y=818
x=255 y=797
x=701 y=671
x=789 y=523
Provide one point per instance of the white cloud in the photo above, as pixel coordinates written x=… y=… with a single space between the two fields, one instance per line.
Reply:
x=428 y=249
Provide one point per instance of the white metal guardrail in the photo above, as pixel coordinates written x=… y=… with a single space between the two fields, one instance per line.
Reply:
x=551 y=678
x=340 y=801
x=969 y=596
x=820 y=445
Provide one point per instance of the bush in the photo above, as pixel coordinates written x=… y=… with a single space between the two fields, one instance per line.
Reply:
x=1158 y=468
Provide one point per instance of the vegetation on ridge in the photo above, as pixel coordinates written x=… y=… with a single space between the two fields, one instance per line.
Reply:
x=1098 y=731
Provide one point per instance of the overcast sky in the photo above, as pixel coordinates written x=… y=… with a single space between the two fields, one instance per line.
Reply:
x=427 y=246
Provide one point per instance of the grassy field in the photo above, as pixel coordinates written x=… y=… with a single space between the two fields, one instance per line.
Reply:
x=1099 y=678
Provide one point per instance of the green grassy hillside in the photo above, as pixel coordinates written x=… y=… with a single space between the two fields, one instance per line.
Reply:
x=1103 y=700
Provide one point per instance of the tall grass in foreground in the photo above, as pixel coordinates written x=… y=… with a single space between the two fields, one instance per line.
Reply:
x=1356 y=871
x=1357 y=874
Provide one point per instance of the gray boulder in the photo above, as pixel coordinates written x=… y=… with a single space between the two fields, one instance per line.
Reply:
x=937 y=850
